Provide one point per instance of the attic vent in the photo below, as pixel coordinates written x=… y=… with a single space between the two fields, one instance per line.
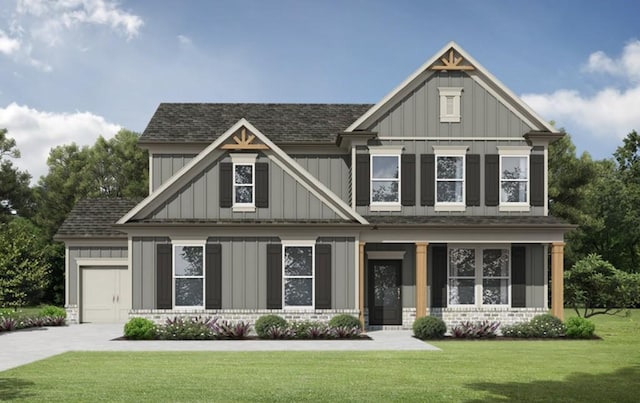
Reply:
x=452 y=63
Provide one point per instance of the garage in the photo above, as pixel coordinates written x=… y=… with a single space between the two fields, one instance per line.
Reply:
x=105 y=294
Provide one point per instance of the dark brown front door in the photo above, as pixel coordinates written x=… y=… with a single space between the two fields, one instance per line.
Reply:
x=385 y=292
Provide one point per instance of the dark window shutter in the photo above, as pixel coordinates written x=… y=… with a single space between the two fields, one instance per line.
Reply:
x=362 y=180
x=274 y=276
x=213 y=276
x=439 y=277
x=164 y=278
x=473 y=179
x=536 y=170
x=408 y=185
x=323 y=276
x=226 y=184
x=262 y=184
x=427 y=179
x=518 y=286
x=492 y=180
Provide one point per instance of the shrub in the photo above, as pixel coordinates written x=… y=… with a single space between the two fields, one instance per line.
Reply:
x=344 y=332
x=429 y=327
x=279 y=332
x=236 y=331
x=484 y=329
x=319 y=331
x=186 y=329
x=579 y=328
x=344 y=320
x=8 y=324
x=264 y=323
x=139 y=329
x=546 y=326
x=521 y=329
x=301 y=329
x=52 y=311
x=55 y=321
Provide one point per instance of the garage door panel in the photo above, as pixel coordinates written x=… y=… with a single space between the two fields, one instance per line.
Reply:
x=106 y=294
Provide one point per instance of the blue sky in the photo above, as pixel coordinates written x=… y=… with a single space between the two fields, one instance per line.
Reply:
x=75 y=69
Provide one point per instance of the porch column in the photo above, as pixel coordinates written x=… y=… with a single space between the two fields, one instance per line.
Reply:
x=421 y=279
x=361 y=290
x=557 y=279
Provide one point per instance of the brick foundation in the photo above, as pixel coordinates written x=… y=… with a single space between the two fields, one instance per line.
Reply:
x=506 y=316
x=72 y=314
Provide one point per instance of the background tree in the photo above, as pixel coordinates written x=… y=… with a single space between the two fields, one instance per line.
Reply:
x=24 y=264
x=15 y=193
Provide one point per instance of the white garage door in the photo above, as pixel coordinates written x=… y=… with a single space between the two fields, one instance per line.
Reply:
x=106 y=294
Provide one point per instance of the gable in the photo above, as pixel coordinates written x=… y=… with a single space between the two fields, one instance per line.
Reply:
x=417 y=114
x=451 y=61
x=189 y=193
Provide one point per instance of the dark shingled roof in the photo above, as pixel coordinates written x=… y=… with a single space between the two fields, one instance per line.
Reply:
x=282 y=123
x=465 y=221
x=93 y=218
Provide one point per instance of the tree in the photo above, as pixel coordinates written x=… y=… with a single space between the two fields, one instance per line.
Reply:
x=15 y=193
x=24 y=265
x=594 y=286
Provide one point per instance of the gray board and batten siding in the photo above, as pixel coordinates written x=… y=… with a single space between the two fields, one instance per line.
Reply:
x=288 y=199
x=332 y=170
x=88 y=252
x=243 y=271
x=416 y=113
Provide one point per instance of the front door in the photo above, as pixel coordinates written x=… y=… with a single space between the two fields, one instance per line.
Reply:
x=385 y=292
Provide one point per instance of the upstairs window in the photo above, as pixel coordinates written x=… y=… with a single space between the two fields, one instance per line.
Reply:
x=450 y=104
x=450 y=177
x=385 y=179
x=514 y=179
x=244 y=182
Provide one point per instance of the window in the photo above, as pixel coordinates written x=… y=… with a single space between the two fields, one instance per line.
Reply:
x=479 y=276
x=298 y=275
x=244 y=182
x=385 y=179
x=450 y=104
x=514 y=179
x=188 y=276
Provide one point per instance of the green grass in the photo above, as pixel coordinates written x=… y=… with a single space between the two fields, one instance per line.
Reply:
x=469 y=371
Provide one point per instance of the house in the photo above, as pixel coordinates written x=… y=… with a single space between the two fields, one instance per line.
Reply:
x=433 y=201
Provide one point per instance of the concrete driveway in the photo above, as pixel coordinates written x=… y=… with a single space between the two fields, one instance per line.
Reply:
x=26 y=346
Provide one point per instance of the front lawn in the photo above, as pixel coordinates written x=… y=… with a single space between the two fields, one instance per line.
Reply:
x=561 y=370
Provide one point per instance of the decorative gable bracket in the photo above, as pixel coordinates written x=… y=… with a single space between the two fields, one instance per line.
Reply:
x=244 y=143
x=453 y=63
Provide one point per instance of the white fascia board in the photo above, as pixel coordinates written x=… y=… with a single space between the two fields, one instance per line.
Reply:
x=470 y=60
x=171 y=181
x=399 y=88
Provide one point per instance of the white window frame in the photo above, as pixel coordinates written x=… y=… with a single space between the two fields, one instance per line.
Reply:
x=453 y=95
x=244 y=160
x=174 y=277
x=299 y=244
x=385 y=151
x=451 y=151
x=479 y=277
x=519 y=152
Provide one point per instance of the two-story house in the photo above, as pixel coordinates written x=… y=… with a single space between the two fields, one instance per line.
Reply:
x=433 y=201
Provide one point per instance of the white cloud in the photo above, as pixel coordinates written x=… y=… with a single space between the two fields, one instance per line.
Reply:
x=36 y=132
x=610 y=112
x=184 y=40
x=8 y=45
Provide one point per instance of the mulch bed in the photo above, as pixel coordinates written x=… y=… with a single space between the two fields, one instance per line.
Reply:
x=360 y=337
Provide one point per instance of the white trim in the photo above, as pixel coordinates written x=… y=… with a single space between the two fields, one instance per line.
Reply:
x=545 y=251
x=102 y=261
x=150 y=173
x=385 y=206
x=183 y=244
x=427 y=138
x=427 y=64
x=357 y=272
x=385 y=150
x=300 y=244
x=450 y=206
x=453 y=93
x=250 y=162
x=546 y=182
x=353 y=178
x=457 y=152
x=67 y=263
x=386 y=255
x=242 y=208
x=518 y=152
x=514 y=150
x=446 y=150
x=514 y=206
x=310 y=183
x=242 y=158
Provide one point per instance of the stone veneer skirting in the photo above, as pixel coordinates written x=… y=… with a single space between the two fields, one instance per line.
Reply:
x=251 y=315
x=505 y=315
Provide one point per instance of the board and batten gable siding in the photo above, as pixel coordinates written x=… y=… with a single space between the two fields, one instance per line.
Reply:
x=89 y=252
x=333 y=171
x=481 y=148
x=418 y=113
x=535 y=272
x=244 y=271
x=164 y=166
x=200 y=199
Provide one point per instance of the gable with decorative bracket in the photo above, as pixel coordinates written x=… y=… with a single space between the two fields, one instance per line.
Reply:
x=452 y=63
x=244 y=142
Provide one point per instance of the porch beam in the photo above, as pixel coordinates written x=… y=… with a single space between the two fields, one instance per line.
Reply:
x=557 y=279
x=421 y=279
x=361 y=290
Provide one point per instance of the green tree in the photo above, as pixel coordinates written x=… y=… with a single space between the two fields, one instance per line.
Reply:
x=594 y=287
x=24 y=264
x=15 y=193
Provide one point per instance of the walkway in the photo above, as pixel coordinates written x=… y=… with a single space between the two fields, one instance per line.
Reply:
x=26 y=346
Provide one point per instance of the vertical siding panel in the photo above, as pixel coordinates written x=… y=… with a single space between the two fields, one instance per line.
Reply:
x=420 y=112
x=251 y=273
x=433 y=100
x=277 y=191
x=238 y=275
x=199 y=194
x=227 y=273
